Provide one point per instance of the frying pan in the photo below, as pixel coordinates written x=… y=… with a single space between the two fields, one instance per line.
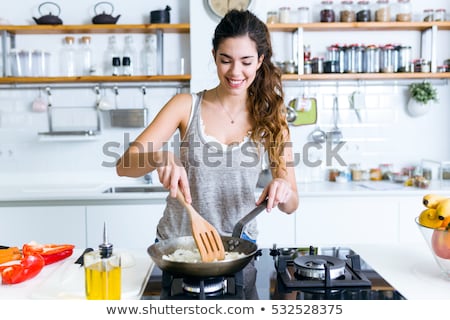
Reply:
x=207 y=269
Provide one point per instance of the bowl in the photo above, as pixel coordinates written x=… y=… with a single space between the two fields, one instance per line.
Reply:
x=438 y=240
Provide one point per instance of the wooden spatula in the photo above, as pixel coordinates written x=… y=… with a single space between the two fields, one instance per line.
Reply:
x=205 y=235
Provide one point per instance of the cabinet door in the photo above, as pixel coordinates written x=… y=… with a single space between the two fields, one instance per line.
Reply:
x=129 y=226
x=347 y=220
x=54 y=224
x=276 y=227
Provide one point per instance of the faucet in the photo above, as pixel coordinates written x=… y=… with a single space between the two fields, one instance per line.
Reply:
x=148 y=178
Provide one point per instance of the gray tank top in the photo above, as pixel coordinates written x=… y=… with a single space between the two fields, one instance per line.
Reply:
x=222 y=180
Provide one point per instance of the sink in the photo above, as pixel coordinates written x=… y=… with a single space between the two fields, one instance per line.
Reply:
x=135 y=189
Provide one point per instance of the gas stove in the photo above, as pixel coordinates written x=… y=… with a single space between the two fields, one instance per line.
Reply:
x=308 y=273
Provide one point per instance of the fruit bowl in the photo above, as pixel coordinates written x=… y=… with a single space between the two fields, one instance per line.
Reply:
x=438 y=240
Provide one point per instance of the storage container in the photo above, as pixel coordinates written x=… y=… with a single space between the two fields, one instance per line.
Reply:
x=440 y=15
x=284 y=15
x=371 y=61
x=303 y=15
x=404 y=11
x=347 y=12
x=363 y=13
x=382 y=11
x=428 y=15
x=327 y=13
x=272 y=17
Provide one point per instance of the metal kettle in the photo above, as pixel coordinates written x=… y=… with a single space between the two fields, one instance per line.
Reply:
x=104 y=18
x=48 y=18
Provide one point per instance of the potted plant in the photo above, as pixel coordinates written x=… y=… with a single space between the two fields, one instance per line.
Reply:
x=422 y=96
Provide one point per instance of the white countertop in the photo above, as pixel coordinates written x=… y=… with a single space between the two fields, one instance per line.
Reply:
x=65 y=280
x=409 y=268
x=94 y=191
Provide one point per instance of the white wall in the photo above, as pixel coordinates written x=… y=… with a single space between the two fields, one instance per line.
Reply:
x=387 y=133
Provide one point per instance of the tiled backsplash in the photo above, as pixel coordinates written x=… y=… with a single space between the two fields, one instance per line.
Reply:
x=386 y=133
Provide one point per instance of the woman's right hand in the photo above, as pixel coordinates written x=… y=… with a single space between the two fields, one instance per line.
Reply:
x=172 y=175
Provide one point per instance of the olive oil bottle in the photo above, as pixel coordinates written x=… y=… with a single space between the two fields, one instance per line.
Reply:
x=102 y=272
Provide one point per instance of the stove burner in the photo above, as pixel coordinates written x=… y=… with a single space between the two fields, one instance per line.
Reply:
x=209 y=286
x=314 y=267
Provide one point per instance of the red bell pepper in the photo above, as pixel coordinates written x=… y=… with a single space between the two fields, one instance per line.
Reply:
x=28 y=268
x=50 y=252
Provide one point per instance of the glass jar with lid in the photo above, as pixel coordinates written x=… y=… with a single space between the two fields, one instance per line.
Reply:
x=347 y=12
x=404 y=11
x=354 y=59
x=382 y=11
x=387 y=64
x=272 y=17
x=284 y=15
x=428 y=15
x=303 y=15
x=363 y=13
x=327 y=13
x=371 y=61
x=439 y=14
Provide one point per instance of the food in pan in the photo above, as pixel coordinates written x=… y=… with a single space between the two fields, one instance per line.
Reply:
x=193 y=256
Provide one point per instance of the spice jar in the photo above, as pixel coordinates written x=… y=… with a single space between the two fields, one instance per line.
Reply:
x=375 y=174
x=333 y=174
x=383 y=11
x=347 y=12
x=387 y=58
x=439 y=15
x=272 y=17
x=363 y=13
x=404 y=59
x=371 y=59
x=428 y=15
x=284 y=15
x=307 y=69
x=354 y=59
x=327 y=12
x=306 y=52
x=317 y=65
x=404 y=11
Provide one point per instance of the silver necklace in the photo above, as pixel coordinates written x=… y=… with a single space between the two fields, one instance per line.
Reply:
x=223 y=107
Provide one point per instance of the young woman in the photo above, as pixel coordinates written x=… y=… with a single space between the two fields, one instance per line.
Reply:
x=225 y=133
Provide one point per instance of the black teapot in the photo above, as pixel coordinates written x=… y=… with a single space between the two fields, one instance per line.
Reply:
x=104 y=18
x=48 y=18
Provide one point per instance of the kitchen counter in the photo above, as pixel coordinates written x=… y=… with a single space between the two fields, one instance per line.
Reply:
x=65 y=280
x=411 y=269
x=94 y=192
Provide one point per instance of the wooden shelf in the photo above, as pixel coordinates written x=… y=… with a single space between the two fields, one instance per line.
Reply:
x=361 y=26
x=365 y=76
x=98 y=28
x=96 y=79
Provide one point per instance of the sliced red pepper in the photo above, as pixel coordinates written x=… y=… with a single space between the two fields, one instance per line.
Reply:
x=50 y=252
x=28 y=268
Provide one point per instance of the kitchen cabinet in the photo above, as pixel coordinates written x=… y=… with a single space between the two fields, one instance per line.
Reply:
x=344 y=220
x=159 y=29
x=298 y=31
x=128 y=226
x=43 y=224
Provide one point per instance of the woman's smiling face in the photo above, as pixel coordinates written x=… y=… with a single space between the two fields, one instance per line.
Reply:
x=237 y=62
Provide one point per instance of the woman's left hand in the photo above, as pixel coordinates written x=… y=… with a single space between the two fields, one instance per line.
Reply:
x=278 y=191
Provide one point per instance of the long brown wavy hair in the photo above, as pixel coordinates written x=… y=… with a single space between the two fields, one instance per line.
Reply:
x=265 y=95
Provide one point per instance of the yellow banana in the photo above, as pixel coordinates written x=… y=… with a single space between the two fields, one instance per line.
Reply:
x=443 y=209
x=432 y=200
x=429 y=218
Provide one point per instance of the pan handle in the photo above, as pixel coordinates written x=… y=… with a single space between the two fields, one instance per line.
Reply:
x=239 y=227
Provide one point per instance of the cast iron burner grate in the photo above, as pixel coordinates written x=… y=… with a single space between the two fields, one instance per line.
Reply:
x=223 y=288
x=351 y=277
